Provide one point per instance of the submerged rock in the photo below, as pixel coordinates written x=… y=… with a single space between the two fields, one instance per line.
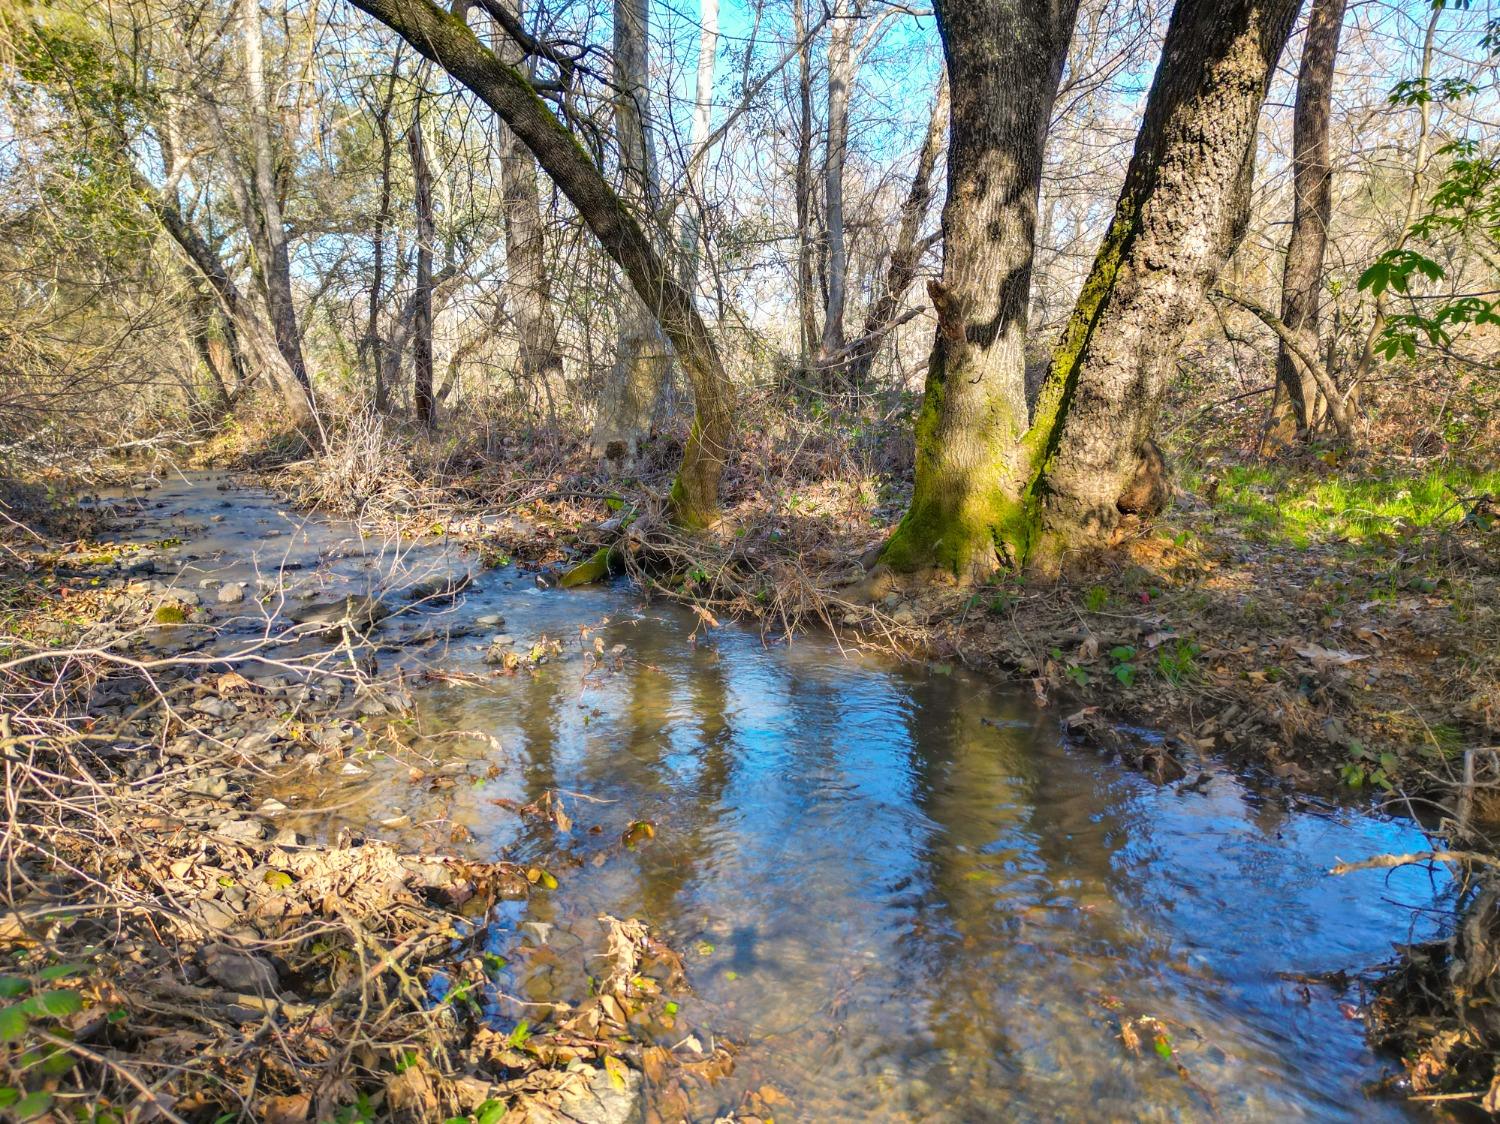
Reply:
x=601 y=1101
x=440 y=587
x=231 y=594
x=354 y=612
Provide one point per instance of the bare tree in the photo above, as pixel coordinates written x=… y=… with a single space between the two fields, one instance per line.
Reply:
x=450 y=44
x=909 y=247
x=641 y=360
x=1295 y=411
x=528 y=287
x=421 y=174
x=835 y=251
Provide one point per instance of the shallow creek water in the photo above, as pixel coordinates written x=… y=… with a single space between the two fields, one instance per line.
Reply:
x=897 y=890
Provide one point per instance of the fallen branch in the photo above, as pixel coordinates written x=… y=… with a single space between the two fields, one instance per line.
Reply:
x=1387 y=862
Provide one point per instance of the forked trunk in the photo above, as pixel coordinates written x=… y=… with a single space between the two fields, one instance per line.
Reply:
x=1296 y=409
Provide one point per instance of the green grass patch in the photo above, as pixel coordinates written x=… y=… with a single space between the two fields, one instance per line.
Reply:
x=1299 y=509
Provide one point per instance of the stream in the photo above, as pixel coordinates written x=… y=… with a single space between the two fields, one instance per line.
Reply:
x=897 y=890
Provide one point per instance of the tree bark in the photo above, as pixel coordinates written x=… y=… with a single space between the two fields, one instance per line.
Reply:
x=528 y=287
x=1294 y=412
x=448 y=42
x=1180 y=215
x=275 y=256
x=840 y=77
x=807 y=314
x=374 y=345
x=628 y=403
x=1005 y=59
x=906 y=254
x=421 y=348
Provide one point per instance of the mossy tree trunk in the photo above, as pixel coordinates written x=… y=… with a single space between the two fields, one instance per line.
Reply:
x=1296 y=410
x=1005 y=59
x=446 y=40
x=1180 y=215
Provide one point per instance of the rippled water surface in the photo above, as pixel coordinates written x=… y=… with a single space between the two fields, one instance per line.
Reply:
x=899 y=891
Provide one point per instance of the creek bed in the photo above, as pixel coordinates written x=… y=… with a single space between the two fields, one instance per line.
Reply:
x=900 y=893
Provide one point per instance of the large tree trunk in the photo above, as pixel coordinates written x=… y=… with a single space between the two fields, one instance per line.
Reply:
x=641 y=359
x=1005 y=59
x=528 y=288
x=1295 y=411
x=1180 y=215
x=840 y=77
x=906 y=254
x=446 y=41
x=421 y=344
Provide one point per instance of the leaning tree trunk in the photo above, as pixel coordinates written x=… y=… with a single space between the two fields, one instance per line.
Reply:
x=248 y=330
x=448 y=42
x=421 y=344
x=528 y=288
x=1005 y=59
x=1180 y=215
x=906 y=254
x=1295 y=410
x=641 y=360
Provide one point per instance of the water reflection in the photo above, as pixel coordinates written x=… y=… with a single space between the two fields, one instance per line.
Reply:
x=898 y=891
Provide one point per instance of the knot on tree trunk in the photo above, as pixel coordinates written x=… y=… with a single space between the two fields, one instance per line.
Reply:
x=1150 y=484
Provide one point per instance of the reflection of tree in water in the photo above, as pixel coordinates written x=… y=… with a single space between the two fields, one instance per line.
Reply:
x=1018 y=841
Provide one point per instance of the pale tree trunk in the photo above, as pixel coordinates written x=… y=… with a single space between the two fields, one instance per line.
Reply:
x=528 y=288
x=421 y=349
x=641 y=363
x=275 y=270
x=840 y=76
x=373 y=342
x=1005 y=59
x=1180 y=215
x=1295 y=410
x=447 y=42
x=807 y=307
x=703 y=106
x=906 y=254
